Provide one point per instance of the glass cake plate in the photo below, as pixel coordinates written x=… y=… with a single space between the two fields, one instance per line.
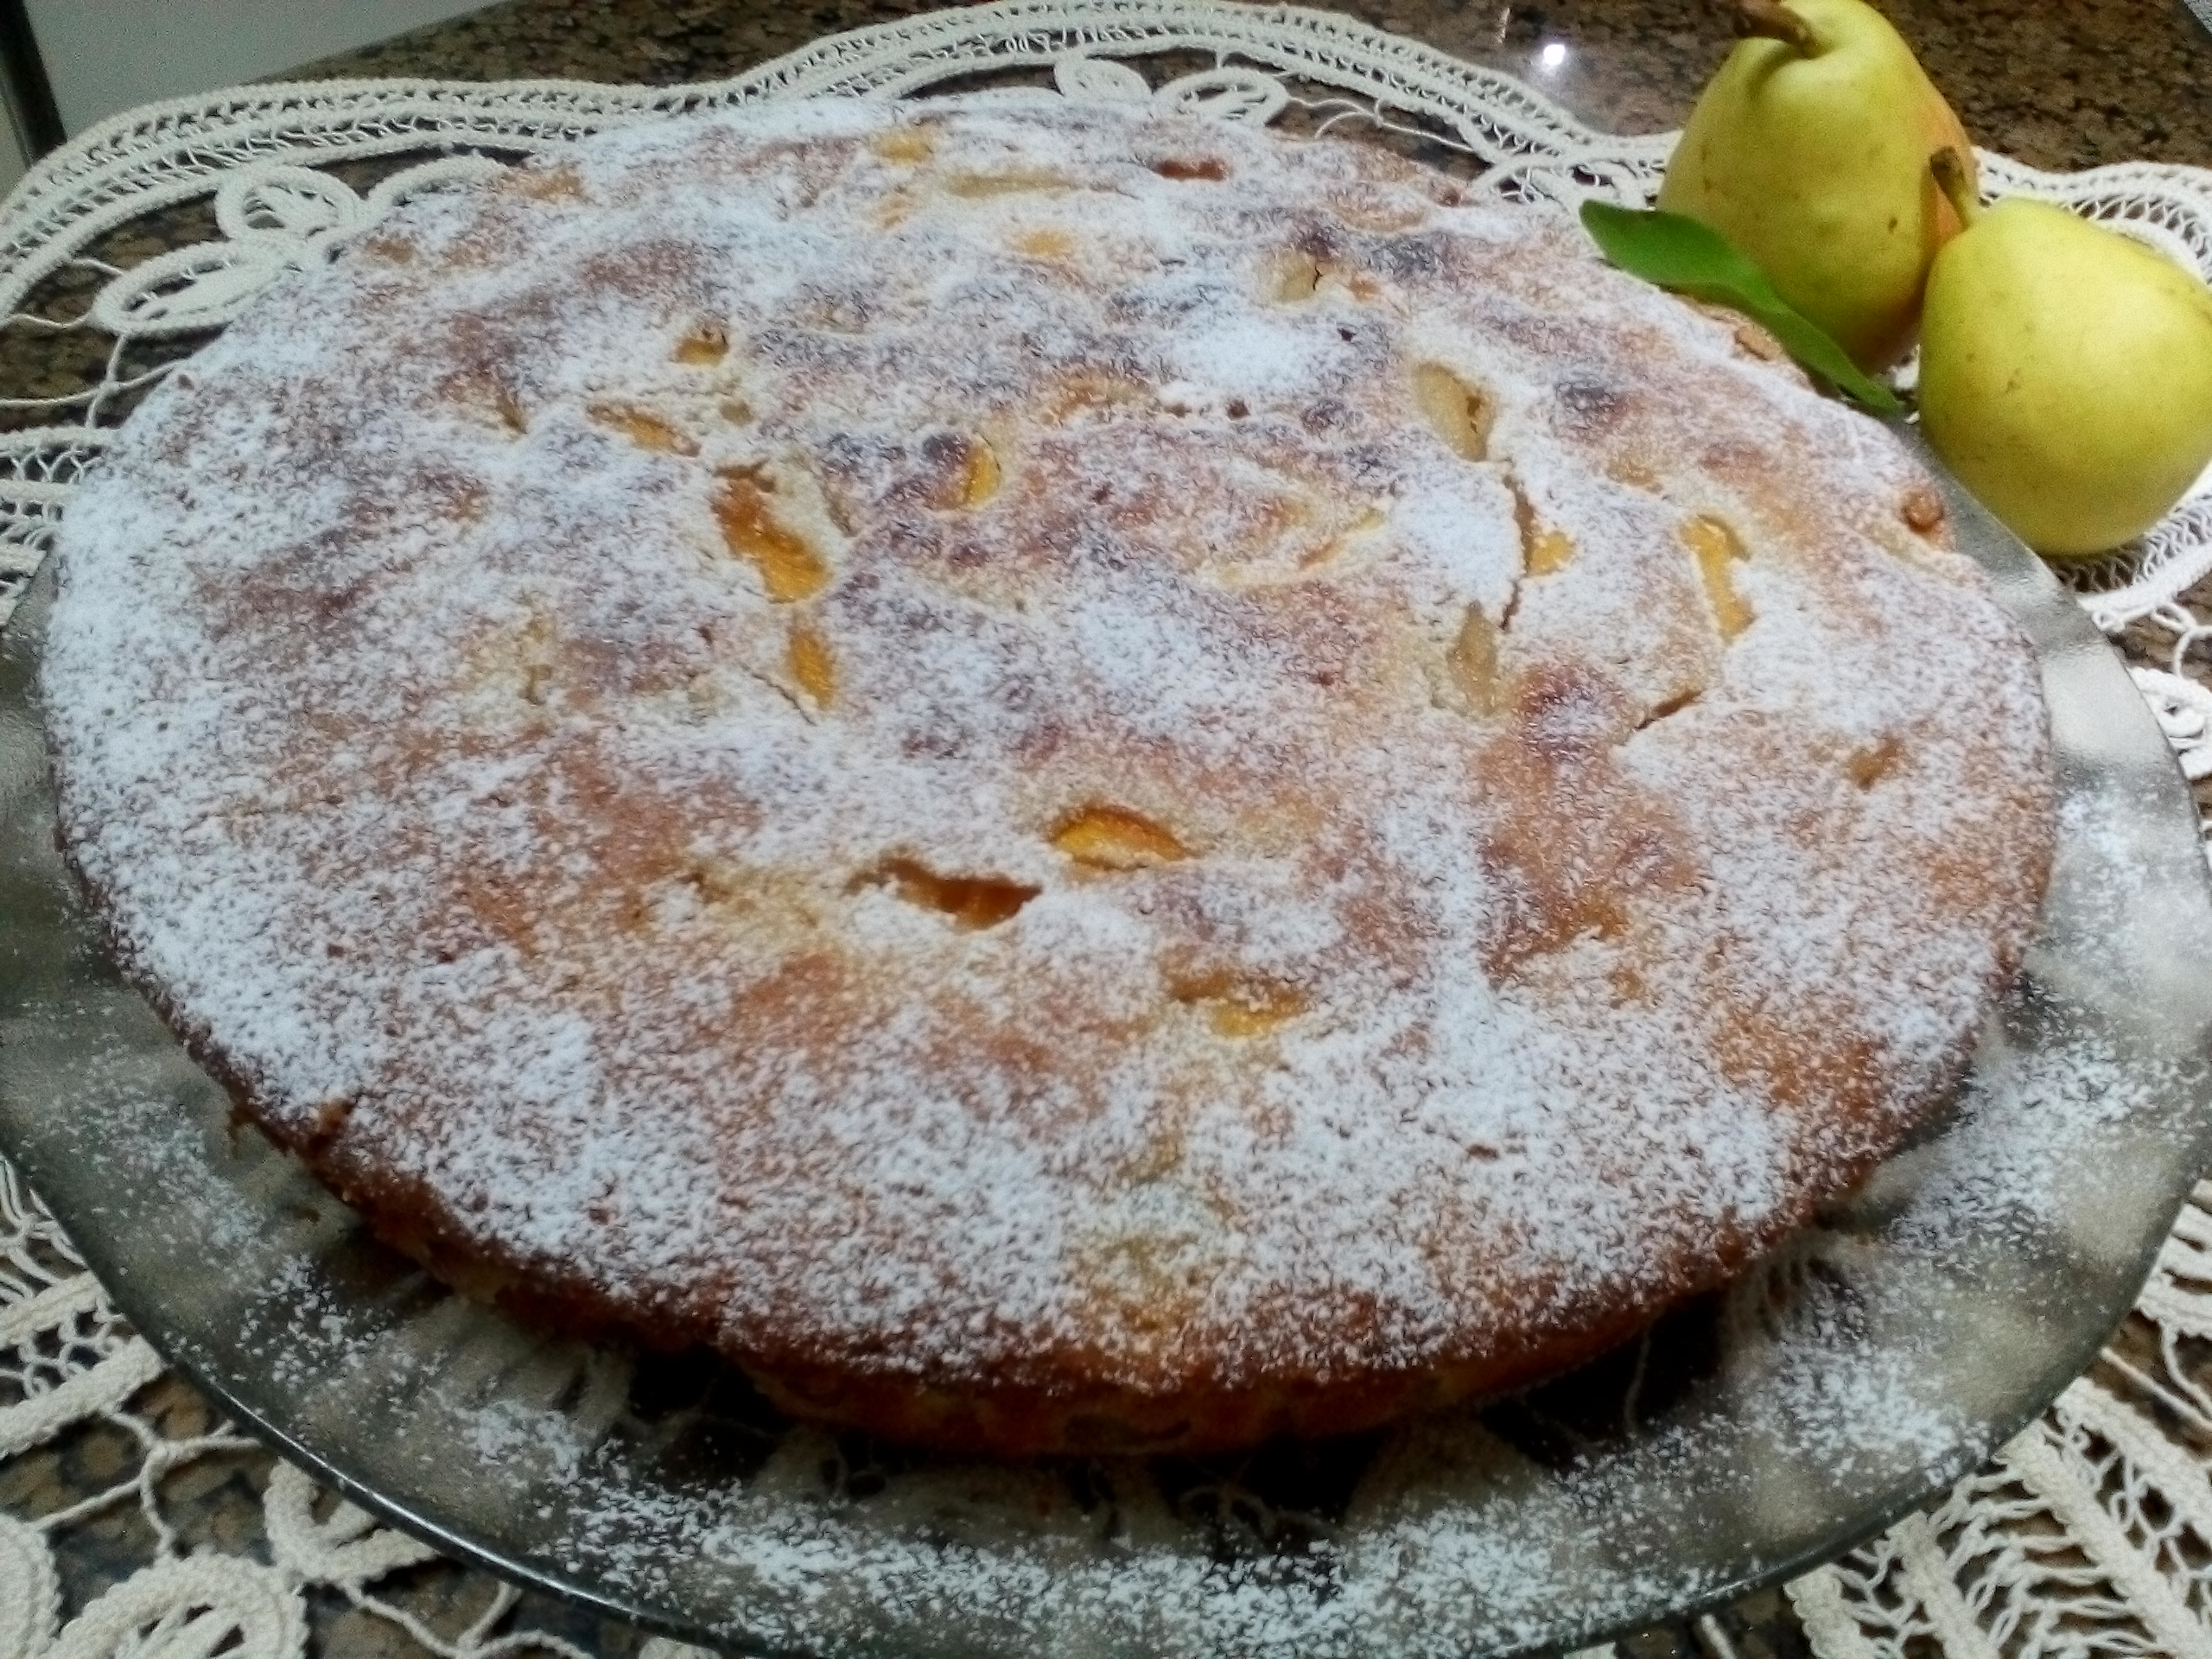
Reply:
x=1872 y=1360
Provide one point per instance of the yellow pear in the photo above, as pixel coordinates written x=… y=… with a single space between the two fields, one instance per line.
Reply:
x=1809 y=150
x=2065 y=373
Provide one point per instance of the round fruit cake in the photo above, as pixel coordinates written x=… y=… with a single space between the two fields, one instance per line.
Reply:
x=1070 y=778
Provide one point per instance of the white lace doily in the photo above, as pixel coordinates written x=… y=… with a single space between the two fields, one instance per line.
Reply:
x=2090 y=1534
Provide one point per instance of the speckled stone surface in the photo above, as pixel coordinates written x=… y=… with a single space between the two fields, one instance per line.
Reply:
x=2062 y=84
x=2059 y=84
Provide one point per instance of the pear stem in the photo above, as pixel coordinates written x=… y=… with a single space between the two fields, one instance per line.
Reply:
x=1774 y=22
x=1951 y=170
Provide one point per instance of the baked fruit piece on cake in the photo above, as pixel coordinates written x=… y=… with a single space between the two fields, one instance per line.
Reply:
x=1071 y=778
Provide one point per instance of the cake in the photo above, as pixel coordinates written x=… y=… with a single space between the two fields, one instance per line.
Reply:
x=1072 y=779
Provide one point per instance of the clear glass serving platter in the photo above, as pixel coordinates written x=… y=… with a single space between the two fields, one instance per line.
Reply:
x=1876 y=1357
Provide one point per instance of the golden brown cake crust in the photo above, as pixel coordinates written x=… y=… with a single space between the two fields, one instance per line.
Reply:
x=1070 y=778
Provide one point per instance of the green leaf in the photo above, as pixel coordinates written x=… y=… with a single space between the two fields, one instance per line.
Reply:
x=1691 y=258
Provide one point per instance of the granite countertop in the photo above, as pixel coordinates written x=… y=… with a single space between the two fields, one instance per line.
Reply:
x=2058 y=83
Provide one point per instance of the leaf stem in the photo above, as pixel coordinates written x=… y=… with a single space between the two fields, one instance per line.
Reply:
x=1951 y=176
x=1774 y=22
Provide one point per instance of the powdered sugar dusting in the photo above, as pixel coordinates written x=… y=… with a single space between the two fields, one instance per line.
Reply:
x=477 y=803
